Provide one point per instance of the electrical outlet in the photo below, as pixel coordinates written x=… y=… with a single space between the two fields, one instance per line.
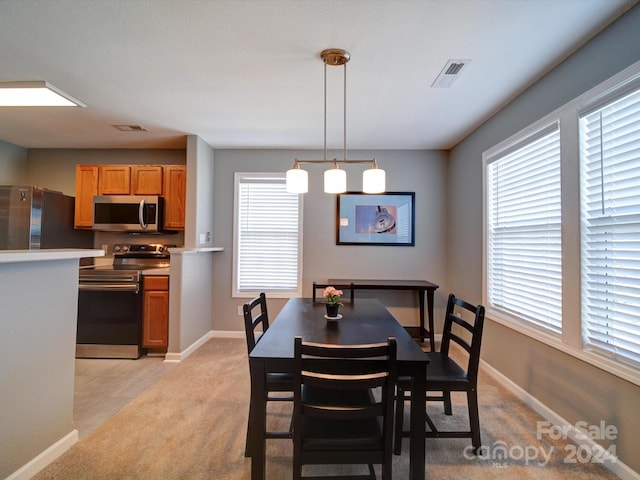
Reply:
x=240 y=310
x=208 y=236
x=106 y=249
x=202 y=239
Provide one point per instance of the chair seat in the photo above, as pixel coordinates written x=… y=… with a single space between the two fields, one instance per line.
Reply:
x=279 y=381
x=343 y=434
x=441 y=370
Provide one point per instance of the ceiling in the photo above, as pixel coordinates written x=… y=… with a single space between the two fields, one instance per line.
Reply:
x=247 y=74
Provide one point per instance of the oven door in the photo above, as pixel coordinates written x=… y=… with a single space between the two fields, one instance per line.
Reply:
x=109 y=320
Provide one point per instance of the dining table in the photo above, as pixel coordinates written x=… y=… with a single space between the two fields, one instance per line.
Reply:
x=364 y=321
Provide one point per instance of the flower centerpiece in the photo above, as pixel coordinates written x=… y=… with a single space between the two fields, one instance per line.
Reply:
x=333 y=301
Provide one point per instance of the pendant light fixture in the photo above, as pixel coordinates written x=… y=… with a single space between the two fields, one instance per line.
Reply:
x=335 y=179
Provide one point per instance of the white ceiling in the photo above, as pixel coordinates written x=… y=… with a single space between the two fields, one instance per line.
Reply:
x=247 y=74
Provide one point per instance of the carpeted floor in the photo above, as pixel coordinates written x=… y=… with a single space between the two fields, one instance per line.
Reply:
x=191 y=425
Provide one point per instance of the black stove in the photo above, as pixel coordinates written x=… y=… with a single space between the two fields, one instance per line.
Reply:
x=110 y=301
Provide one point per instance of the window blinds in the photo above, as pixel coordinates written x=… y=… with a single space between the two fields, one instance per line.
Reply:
x=524 y=255
x=610 y=241
x=267 y=232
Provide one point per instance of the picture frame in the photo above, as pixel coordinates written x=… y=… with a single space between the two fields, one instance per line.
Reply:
x=376 y=219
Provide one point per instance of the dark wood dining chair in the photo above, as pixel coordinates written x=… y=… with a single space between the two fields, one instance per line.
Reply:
x=321 y=286
x=337 y=417
x=278 y=386
x=445 y=375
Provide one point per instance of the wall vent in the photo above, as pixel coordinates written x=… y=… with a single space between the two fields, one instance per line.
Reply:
x=450 y=73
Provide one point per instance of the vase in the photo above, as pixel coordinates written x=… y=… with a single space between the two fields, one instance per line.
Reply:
x=332 y=310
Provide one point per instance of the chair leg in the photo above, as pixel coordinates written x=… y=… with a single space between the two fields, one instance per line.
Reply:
x=397 y=442
x=446 y=397
x=474 y=419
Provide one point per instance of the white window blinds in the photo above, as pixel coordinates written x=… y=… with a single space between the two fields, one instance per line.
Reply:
x=267 y=235
x=524 y=274
x=610 y=243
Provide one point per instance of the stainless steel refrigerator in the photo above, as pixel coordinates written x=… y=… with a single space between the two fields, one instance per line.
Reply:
x=36 y=218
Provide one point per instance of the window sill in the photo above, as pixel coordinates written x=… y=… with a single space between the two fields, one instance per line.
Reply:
x=620 y=370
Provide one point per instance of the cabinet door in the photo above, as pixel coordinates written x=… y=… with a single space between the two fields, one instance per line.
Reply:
x=155 y=312
x=146 y=180
x=175 y=193
x=114 y=180
x=86 y=188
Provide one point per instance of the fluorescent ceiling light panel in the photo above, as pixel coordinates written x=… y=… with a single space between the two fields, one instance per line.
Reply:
x=35 y=94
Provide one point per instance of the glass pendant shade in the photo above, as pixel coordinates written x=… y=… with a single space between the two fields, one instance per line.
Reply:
x=297 y=181
x=335 y=181
x=373 y=180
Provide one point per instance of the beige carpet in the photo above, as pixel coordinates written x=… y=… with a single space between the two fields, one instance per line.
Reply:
x=191 y=424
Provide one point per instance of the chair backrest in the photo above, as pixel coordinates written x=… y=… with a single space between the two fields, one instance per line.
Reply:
x=338 y=371
x=472 y=346
x=255 y=313
x=321 y=286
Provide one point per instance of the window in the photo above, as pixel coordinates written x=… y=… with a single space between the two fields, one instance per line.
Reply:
x=562 y=228
x=524 y=271
x=268 y=248
x=610 y=250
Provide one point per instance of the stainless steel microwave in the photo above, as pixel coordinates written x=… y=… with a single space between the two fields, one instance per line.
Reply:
x=128 y=213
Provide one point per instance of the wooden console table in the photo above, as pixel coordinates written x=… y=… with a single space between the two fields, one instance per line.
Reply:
x=419 y=286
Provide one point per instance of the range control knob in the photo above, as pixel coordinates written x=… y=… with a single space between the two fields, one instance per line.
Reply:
x=116 y=248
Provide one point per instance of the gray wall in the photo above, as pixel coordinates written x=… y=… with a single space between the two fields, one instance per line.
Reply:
x=575 y=390
x=37 y=348
x=13 y=164
x=422 y=172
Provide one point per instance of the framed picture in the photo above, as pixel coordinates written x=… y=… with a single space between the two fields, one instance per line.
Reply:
x=376 y=219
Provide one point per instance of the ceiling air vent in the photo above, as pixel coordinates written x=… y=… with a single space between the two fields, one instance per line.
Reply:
x=449 y=73
x=130 y=128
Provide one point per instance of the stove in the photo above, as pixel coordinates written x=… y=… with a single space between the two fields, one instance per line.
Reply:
x=110 y=301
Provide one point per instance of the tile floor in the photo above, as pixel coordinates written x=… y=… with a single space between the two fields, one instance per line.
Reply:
x=104 y=386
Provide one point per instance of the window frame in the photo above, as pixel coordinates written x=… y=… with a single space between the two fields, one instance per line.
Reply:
x=570 y=341
x=279 y=177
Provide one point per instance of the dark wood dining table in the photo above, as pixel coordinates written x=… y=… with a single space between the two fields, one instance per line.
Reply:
x=363 y=321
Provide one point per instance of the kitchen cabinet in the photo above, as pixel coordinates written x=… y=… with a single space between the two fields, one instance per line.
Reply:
x=86 y=188
x=146 y=179
x=175 y=194
x=155 y=312
x=114 y=180
x=168 y=181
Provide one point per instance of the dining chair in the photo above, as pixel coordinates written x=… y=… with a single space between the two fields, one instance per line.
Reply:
x=322 y=286
x=445 y=375
x=343 y=406
x=278 y=386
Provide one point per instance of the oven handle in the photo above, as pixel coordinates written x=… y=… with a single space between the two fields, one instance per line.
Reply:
x=109 y=287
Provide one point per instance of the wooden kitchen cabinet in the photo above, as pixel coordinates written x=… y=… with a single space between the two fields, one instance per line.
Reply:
x=86 y=188
x=175 y=195
x=114 y=180
x=146 y=179
x=155 y=312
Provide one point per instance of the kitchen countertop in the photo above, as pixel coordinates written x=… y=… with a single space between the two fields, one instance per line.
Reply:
x=156 y=271
x=19 y=256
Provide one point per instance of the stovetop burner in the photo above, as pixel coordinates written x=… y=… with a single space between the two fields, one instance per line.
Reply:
x=130 y=258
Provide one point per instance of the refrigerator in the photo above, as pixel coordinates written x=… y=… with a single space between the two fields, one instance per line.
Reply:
x=34 y=218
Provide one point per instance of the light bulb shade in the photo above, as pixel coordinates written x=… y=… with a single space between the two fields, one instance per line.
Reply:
x=373 y=180
x=335 y=181
x=297 y=181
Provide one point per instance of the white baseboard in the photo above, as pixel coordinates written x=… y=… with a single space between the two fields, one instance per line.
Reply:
x=611 y=462
x=227 y=334
x=45 y=458
x=178 y=357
